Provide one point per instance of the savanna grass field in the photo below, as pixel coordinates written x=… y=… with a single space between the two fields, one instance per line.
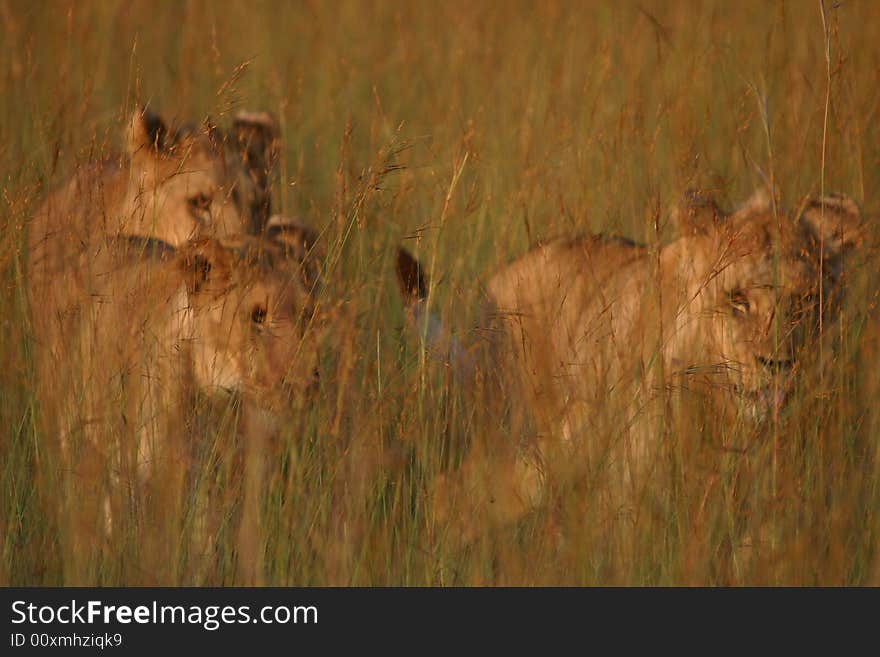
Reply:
x=466 y=132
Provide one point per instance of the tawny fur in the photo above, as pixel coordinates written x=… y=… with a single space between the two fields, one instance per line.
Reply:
x=152 y=328
x=587 y=331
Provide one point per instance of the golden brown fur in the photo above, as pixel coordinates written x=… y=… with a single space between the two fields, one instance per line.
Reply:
x=153 y=328
x=169 y=185
x=588 y=333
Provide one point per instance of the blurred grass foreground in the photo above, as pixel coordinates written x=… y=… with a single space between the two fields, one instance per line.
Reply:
x=466 y=131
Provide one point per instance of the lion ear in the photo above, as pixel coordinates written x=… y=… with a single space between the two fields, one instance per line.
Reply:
x=257 y=135
x=834 y=221
x=256 y=139
x=696 y=212
x=410 y=277
x=146 y=133
x=206 y=267
x=292 y=234
x=298 y=243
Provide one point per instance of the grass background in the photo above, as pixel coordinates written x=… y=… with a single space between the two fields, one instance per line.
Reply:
x=511 y=122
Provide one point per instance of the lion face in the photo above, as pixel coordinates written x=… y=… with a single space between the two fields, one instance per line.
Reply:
x=253 y=319
x=745 y=337
x=755 y=294
x=197 y=182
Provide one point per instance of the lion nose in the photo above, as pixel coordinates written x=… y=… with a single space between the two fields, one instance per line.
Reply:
x=776 y=364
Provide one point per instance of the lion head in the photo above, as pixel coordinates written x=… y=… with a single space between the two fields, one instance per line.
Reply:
x=752 y=286
x=252 y=312
x=191 y=182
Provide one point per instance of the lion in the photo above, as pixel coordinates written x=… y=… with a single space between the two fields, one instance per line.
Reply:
x=233 y=319
x=589 y=333
x=171 y=185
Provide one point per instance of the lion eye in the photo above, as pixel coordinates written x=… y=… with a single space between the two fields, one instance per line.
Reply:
x=739 y=301
x=258 y=314
x=199 y=203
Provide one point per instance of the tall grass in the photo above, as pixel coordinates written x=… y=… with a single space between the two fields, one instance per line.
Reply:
x=468 y=131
